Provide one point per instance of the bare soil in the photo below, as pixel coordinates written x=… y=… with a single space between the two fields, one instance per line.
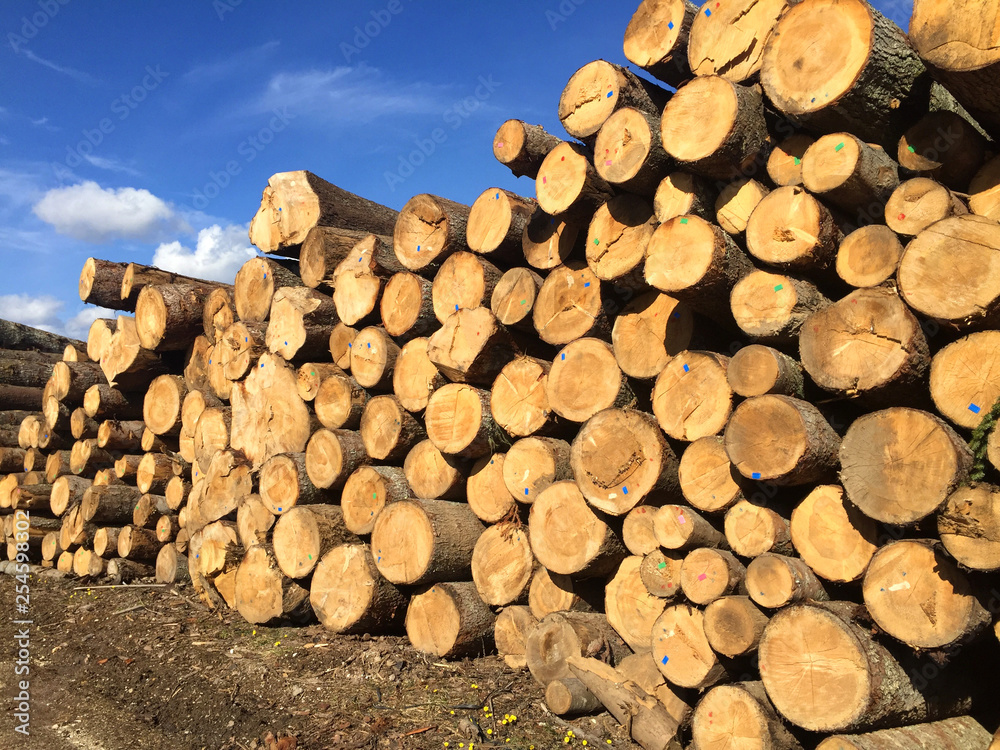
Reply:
x=125 y=668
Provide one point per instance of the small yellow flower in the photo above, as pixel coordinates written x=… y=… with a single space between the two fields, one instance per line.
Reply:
x=475 y=686
x=486 y=708
x=452 y=713
x=277 y=643
x=489 y=731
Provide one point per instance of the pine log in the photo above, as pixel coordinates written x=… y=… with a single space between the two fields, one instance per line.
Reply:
x=332 y=456
x=341 y=339
x=423 y=541
x=522 y=147
x=486 y=492
x=86 y=457
x=460 y=423
x=127 y=466
x=728 y=142
x=946 y=147
x=428 y=230
x=155 y=470
x=962 y=382
x=737 y=202
x=681 y=650
x=843 y=170
x=562 y=635
x=969 y=526
x=227 y=482
x=126 y=364
x=679 y=528
x=496 y=225
x=166 y=528
x=569 y=306
x=311 y=376
x=449 y=620
x=792 y=230
x=733 y=625
x=649 y=332
x=631 y=609
x=263 y=594
x=708 y=574
x=99 y=338
x=900 y=465
x=56 y=465
x=918 y=203
x=782 y=440
x=549 y=241
x=407 y=306
x=502 y=565
x=31 y=498
x=138 y=544
x=843 y=77
x=414 y=376
x=101 y=283
x=568 y=184
x=660 y=573
x=684 y=194
x=568 y=696
x=825 y=673
x=432 y=474
x=300 y=322
x=255 y=285
x=253 y=521
x=218 y=313
x=784 y=164
x=120 y=570
x=697 y=263
x=349 y=595
x=629 y=154
x=692 y=398
x=465 y=280
x=869 y=256
x=617 y=240
x=171 y=566
x=110 y=505
x=554 y=592
x=568 y=537
x=303 y=535
x=619 y=457
x=388 y=430
x=775 y=581
x=599 y=89
x=87 y=565
x=759 y=370
x=949 y=734
x=24 y=371
x=739 y=716
x=67 y=491
x=12 y=459
x=534 y=463
x=656 y=39
x=772 y=307
x=357 y=291
x=168 y=316
x=832 y=536
x=514 y=297
x=637 y=531
x=340 y=401
x=324 y=249
x=211 y=434
x=368 y=490
x=585 y=379
x=19 y=336
x=120 y=436
x=295 y=202
x=983 y=189
x=148 y=511
x=284 y=484
x=373 y=357
x=161 y=410
x=50 y=547
x=908 y=580
x=752 y=530
x=106 y=402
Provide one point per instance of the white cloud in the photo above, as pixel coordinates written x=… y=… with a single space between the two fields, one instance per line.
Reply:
x=39 y=312
x=218 y=255
x=94 y=214
x=112 y=165
x=76 y=75
x=236 y=63
x=78 y=326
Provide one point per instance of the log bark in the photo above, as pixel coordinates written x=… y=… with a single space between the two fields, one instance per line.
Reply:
x=424 y=541
x=775 y=581
x=449 y=620
x=570 y=697
x=106 y=402
x=349 y=595
x=782 y=440
x=657 y=39
x=293 y=203
x=263 y=594
x=899 y=465
x=843 y=170
x=303 y=535
x=692 y=398
x=19 y=336
x=497 y=222
x=138 y=544
x=522 y=147
x=110 y=505
x=101 y=284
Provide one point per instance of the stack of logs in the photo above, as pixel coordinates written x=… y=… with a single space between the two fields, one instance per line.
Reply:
x=702 y=434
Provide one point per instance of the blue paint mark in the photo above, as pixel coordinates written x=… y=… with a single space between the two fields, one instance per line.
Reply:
x=265 y=275
x=708 y=12
x=369 y=346
x=350 y=345
x=418 y=248
x=209 y=361
x=974 y=409
x=564 y=356
x=670 y=25
x=279 y=510
x=610 y=94
x=587 y=284
x=456 y=308
x=625 y=490
x=756 y=475
x=687 y=369
x=665 y=659
x=525 y=490
x=262 y=365
x=498 y=196
x=246 y=340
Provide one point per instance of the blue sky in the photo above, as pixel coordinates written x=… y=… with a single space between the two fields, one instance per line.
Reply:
x=147 y=131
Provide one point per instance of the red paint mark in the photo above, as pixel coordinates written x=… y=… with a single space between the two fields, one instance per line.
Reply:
x=902 y=216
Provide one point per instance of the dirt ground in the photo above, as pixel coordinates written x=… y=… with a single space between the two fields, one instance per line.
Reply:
x=117 y=669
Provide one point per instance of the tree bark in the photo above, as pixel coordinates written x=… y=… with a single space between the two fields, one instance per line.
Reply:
x=349 y=595
x=449 y=620
x=522 y=147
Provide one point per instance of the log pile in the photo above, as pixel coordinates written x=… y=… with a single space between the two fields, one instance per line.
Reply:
x=703 y=434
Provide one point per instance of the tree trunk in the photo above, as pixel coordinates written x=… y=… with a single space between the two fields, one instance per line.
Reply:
x=101 y=284
x=681 y=529
x=570 y=697
x=284 y=484
x=486 y=491
x=900 y=465
x=166 y=528
x=373 y=358
x=472 y=347
x=568 y=184
x=388 y=430
x=737 y=202
x=918 y=203
x=949 y=734
x=657 y=39
x=465 y=280
x=303 y=535
x=969 y=526
x=599 y=89
x=368 y=491
x=407 y=306
x=724 y=145
x=449 y=620
x=533 y=464
x=459 y=422
x=263 y=594
x=293 y=203
x=18 y=336
x=734 y=625
x=325 y=248
x=709 y=574
x=782 y=440
x=681 y=650
x=429 y=229
x=514 y=297
x=423 y=541
x=511 y=632
x=843 y=170
x=775 y=581
x=749 y=720
x=171 y=567
x=900 y=607
x=332 y=456
x=300 y=322
x=414 y=376
x=120 y=436
x=708 y=480
x=502 y=565
x=167 y=317
x=227 y=482
x=138 y=544
x=86 y=457
x=24 y=371
x=106 y=402
x=125 y=363
x=637 y=531
x=522 y=147
x=66 y=492
x=784 y=165
x=631 y=609
x=257 y=281
x=110 y=505
x=148 y=511
x=943 y=146
x=691 y=397
x=562 y=635
x=832 y=536
x=568 y=537
x=431 y=474
x=696 y=262
x=349 y=595
x=791 y=230
x=962 y=383
x=496 y=225
x=549 y=241
x=629 y=152
x=760 y=370
x=619 y=457
x=569 y=306
x=752 y=530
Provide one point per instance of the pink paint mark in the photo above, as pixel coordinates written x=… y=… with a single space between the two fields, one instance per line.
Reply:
x=680 y=519
x=607 y=163
x=702 y=577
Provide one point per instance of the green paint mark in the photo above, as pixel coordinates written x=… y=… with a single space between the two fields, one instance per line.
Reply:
x=524 y=302
x=661 y=566
x=314 y=374
x=779 y=287
x=684 y=221
x=911 y=149
x=839 y=146
x=797 y=161
x=597 y=241
x=374 y=496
